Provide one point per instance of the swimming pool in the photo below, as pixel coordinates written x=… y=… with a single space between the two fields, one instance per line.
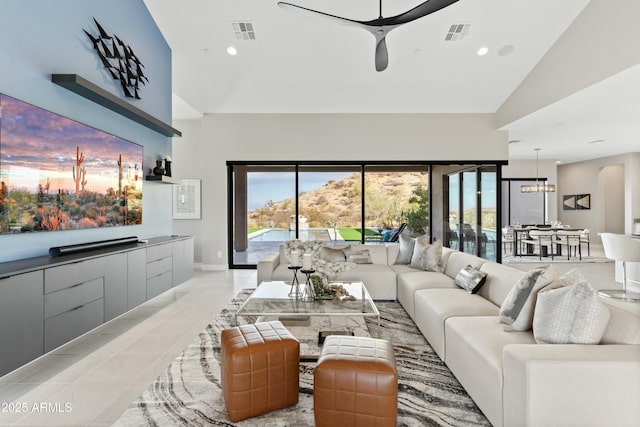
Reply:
x=283 y=234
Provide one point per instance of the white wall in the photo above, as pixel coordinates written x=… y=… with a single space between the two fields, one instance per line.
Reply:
x=330 y=137
x=546 y=169
x=586 y=178
x=39 y=38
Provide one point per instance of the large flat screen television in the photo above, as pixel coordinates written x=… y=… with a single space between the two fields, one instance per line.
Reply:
x=59 y=174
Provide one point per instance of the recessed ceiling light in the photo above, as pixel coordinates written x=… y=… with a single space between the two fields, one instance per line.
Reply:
x=232 y=51
x=597 y=141
x=558 y=162
x=514 y=141
x=483 y=51
x=506 y=50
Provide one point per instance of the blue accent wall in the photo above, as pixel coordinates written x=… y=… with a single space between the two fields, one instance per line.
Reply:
x=39 y=38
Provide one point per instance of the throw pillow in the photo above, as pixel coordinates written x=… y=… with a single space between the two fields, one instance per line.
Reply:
x=361 y=256
x=570 y=315
x=470 y=279
x=426 y=256
x=516 y=312
x=406 y=249
x=333 y=255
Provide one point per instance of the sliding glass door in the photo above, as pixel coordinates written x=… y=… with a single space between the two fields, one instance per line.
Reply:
x=471 y=211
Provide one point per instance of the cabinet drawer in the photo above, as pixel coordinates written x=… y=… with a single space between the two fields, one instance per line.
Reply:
x=69 y=298
x=158 y=267
x=57 y=278
x=159 y=284
x=159 y=251
x=71 y=324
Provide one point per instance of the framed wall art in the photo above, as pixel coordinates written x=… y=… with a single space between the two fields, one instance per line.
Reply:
x=186 y=199
x=569 y=202
x=583 y=201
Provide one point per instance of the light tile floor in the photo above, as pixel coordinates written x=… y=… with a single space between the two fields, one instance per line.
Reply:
x=99 y=374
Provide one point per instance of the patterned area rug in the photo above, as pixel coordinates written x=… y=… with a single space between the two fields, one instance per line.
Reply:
x=188 y=392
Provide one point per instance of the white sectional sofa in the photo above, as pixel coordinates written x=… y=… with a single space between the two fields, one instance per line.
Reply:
x=513 y=380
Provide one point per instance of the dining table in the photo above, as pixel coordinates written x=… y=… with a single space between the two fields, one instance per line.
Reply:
x=517 y=232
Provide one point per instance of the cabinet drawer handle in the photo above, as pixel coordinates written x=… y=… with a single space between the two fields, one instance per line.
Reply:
x=75 y=286
x=80 y=306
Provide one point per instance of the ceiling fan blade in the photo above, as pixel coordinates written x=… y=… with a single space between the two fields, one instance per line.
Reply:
x=419 y=11
x=320 y=15
x=382 y=55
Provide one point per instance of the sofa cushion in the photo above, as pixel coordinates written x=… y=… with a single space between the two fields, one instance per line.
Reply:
x=623 y=326
x=333 y=255
x=406 y=246
x=359 y=256
x=426 y=256
x=473 y=351
x=411 y=281
x=569 y=315
x=392 y=252
x=434 y=306
x=380 y=280
x=378 y=253
x=470 y=279
x=516 y=312
x=499 y=282
x=459 y=260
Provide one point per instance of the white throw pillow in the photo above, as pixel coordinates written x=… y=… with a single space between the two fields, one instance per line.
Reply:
x=516 y=312
x=570 y=314
x=358 y=256
x=333 y=255
x=426 y=256
x=407 y=245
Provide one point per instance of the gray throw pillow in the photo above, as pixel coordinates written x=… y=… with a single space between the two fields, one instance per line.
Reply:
x=406 y=249
x=470 y=279
x=333 y=255
x=361 y=256
x=570 y=315
x=426 y=256
x=516 y=312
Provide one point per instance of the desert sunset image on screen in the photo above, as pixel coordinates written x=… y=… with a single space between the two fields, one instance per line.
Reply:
x=59 y=174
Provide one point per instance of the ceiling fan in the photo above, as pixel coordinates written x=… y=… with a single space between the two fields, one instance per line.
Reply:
x=380 y=26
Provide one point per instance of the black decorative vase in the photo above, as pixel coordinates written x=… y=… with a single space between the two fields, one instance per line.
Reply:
x=158 y=170
x=167 y=167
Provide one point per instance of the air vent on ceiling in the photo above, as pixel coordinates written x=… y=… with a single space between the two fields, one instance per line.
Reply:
x=243 y=30
x=457 y=32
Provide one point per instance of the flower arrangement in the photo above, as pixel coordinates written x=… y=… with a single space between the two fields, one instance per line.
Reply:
x=330 y=291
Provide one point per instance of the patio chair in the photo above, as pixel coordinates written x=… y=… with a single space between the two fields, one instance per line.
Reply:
x=395 y=235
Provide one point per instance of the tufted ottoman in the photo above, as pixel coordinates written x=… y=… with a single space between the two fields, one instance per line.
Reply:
x=355 y=383
x=260 y=369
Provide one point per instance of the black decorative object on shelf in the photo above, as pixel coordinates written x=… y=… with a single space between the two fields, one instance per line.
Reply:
x=119 y=60
x=158 y=170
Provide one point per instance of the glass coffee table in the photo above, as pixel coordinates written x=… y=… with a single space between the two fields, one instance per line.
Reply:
x=271 y=299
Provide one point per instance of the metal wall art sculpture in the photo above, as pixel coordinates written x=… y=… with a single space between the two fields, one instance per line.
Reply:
x=118 y=58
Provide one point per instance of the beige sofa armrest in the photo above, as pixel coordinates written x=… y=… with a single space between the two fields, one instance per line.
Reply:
x=571 y=385
x=266 y=265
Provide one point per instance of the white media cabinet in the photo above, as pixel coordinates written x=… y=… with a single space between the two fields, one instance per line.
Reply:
x=46 y=302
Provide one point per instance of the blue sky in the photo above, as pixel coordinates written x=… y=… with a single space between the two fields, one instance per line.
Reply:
x=278 y=186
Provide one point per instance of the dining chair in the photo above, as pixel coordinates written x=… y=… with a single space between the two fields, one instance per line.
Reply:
x=508 y=238
x=543 y=240
x=570 y=240
x=619 y=247
x=584 y=238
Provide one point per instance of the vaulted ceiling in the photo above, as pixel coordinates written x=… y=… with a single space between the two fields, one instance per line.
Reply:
x=297 y=64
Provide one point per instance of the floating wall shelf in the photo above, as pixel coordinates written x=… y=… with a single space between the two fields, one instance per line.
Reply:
x=95 y=93
x=163 y=179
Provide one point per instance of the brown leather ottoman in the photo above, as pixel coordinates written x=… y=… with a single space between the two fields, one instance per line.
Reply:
x=260 y=369
x=355 y=383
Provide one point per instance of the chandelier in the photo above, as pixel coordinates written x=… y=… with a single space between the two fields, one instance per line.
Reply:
x=538 y=187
